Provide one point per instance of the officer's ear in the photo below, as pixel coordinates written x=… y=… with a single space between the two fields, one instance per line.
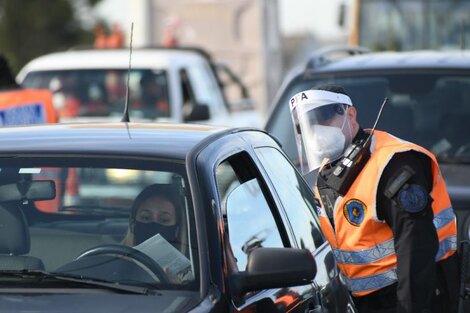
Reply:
x=352 y=116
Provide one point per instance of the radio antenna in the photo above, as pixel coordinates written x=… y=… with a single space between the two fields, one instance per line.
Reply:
x=125 y=117
x=376 y=121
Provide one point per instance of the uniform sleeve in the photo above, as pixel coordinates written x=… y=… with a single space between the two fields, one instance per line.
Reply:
x=404 y=203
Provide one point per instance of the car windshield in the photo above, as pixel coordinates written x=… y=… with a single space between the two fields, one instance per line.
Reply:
x=430 y=109
x=113 y=221
x=84 y=93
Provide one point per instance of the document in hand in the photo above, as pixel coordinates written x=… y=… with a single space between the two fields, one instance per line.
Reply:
x=175 y=264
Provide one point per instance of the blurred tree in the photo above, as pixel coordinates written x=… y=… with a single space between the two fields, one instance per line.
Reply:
x=30 y=28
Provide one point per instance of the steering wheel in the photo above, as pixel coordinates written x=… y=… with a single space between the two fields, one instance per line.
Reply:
x=142 y=259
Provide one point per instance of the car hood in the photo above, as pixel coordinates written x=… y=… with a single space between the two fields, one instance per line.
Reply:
x=95 y=302
x=457 y=180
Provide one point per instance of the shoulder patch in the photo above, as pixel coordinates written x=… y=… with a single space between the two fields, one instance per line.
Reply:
x=354 y=210
x=413 y=198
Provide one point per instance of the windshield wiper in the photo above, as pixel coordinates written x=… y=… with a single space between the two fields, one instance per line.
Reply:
x=78 y=279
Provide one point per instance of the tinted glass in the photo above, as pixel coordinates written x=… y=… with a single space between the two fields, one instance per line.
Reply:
x=427 y=108
x=248 y=218
x=297 y=199
x=113 y=214
x=250 y=222
x=103 y=92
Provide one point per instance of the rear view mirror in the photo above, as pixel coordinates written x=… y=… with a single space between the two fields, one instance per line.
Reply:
x=36 y=190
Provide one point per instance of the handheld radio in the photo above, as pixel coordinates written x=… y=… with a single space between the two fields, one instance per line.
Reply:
x=352 y=162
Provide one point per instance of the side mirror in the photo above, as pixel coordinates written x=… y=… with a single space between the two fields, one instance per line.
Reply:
x=197 y=112
x=269 y=268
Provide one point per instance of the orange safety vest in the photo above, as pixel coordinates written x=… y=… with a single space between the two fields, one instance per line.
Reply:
x=26 y=106
x=364 y=245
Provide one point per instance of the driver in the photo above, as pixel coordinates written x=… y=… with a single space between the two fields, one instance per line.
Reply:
x=156 y=210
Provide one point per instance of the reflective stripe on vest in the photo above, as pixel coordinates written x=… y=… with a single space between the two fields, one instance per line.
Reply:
x=372 y=282
x=446 y=245
x=386 y=248
x=444 y=217
x=387 y=278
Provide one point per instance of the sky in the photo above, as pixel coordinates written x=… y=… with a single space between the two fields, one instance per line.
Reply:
x=296 y=16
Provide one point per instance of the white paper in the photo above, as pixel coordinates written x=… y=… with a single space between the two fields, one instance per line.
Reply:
x=175 y=264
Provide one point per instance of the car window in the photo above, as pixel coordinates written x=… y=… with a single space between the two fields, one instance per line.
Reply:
x=90 y=218
x=297 y=199
x=206 y=90
x=81 y=93
x=248 y=217
x=429 y=109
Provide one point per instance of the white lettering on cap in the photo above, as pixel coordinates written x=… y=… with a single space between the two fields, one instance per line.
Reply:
x=317 y=98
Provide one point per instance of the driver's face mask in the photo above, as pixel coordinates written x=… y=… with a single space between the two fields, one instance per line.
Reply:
x=143 y=231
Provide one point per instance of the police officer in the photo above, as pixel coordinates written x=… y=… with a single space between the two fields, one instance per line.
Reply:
x=384 y=208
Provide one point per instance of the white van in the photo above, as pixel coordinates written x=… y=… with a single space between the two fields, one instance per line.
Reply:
x=178 y=85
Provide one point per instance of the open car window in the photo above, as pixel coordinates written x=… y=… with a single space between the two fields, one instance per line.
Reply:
x=90 y=218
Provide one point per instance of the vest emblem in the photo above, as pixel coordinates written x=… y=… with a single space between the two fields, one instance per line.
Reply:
x=354 y=210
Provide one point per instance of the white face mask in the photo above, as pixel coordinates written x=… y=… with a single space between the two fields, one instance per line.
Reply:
x=327 y=141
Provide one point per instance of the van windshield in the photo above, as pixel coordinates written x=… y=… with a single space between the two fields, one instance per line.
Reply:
x=86 y=93
x=430 y=109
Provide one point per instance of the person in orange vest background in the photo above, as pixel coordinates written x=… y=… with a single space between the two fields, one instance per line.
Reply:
x=170 y=32
x=116 y=37
x=101 y=37
x=382 y=205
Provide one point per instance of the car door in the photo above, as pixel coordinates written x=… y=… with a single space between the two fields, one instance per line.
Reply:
x=299 y=206
x=252 y=219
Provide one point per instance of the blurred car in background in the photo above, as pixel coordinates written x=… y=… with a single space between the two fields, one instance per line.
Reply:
x=428 y=103
x=247 y=236
x=165 y=84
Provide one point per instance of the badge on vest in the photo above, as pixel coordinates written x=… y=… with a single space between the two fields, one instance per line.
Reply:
x=413 y=198
x=354 y=210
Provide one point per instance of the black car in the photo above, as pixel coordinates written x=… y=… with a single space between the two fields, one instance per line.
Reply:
x=428 y=103
x=247 y=238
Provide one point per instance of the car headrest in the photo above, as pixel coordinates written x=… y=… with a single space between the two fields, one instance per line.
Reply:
x=14 y=231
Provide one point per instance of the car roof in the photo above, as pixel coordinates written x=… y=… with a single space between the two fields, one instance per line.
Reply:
x=173 y=141
x=425 y=59
x=112 y=59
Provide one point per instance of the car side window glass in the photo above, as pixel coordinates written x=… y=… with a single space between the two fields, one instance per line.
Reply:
x=248 y=218
x=206 y=90
x=295 y=195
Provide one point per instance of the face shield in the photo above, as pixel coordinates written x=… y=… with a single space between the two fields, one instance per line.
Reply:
x=321 y=125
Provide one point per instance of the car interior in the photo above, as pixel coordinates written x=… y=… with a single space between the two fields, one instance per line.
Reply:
x=73 y=224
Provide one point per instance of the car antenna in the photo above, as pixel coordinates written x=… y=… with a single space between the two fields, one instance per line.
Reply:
x=376 y=121
x=353 y=161
x=125 y=117
x=462 y=34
